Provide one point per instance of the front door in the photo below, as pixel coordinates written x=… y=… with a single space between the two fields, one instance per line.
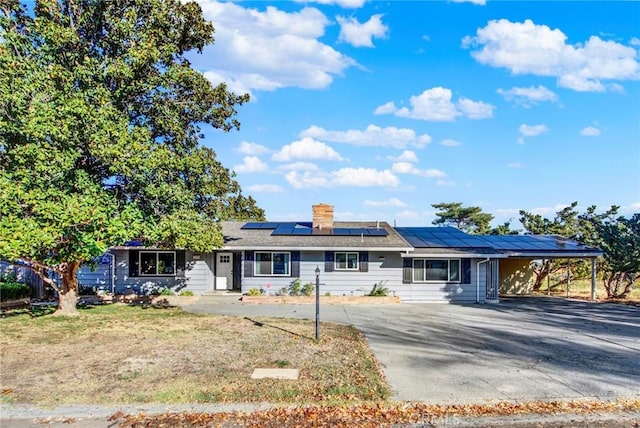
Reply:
x=224 y=271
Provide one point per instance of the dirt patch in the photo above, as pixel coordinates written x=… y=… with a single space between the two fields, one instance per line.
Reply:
x=123 y=354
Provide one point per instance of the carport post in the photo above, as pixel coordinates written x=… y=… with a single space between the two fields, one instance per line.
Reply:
x=593 y=278
x=548 y=277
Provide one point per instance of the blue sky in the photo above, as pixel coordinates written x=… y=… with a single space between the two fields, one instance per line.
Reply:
x=382 y=108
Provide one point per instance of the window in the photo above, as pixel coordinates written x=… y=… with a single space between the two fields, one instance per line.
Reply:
x=426 y=270
x=157 y=263
x=272 y=264
x=346 y=261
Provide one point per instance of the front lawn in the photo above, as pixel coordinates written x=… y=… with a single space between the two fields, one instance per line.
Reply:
x=117 y=354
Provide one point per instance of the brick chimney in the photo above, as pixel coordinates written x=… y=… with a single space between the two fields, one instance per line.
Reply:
x=323 y=217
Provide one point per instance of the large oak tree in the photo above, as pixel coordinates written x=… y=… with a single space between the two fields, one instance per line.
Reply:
x=100 y=134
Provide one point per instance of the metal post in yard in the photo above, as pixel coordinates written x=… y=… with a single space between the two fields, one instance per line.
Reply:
x=317 y=303
x=568 y=278
x=593 y=278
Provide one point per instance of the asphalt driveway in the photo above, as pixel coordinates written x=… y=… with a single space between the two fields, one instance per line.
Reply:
x=521 y=349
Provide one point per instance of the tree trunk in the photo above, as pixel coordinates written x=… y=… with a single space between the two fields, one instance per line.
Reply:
x=68 y=293
x=540 y=274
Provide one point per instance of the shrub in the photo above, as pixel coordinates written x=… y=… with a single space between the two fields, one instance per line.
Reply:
x=12 y=290
x=379 y=289
x=186 y=293
x=86 y=290
x=254 y=292
x=328 y=293
x=166 y=292
x=307 y=289
x=282 y=292
x=295 y=287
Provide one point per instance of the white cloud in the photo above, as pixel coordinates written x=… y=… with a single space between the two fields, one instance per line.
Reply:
x=532 y=130
x=347 y=4
x=520 y=140
x=590 y=131
x=251 y=164
x=386 y=108
x=478 y=2
x=254 y=149
x=409 y=168
x=530 y=96
x=361 y=34
x=270 y=49
x=307 y=148
x=445 y=183
x=408 y=214
x=347 y=177
x=372 y=136
x=299 y=166
x=528 y=48
x=265 y=188
x=450 y=143
x=391 y=202
x=365 y=177
x=436 y=105
x=546 y=211
x=406 y=156
x=634 y=41
x=515 y=165
x=475 y=109
x=630 y=209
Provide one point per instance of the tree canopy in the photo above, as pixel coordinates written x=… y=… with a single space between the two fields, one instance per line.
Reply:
x=468 y=219
x=100 y=133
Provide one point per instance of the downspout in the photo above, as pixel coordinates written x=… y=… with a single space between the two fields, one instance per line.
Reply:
x=478 y=278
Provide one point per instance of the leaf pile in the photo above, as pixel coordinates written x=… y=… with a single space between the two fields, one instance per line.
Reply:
x=371 y=415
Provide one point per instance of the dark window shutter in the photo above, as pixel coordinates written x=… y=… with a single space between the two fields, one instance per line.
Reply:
x=363 y=261
x=465 y=267
x=328 y=261
x=295 y=264
x=248 y=264
x=181 y=260
x=406 y=270
x=134 y=261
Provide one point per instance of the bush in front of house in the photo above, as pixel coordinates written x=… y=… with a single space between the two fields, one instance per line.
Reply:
x=379 y=289
x=307 y=289
x=11 y=289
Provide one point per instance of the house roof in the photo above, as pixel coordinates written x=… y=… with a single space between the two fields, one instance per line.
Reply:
x=427 y=240
x=239 y=235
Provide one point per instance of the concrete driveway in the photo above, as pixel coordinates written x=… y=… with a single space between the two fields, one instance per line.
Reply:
x=521 y=349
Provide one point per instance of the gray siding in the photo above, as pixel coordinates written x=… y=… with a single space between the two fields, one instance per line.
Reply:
x=447 y=292
x=199 y=273
x=98 y=277
x=388 y=271
x=141 y=284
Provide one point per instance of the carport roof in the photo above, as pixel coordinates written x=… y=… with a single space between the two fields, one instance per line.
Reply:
x=439 y=238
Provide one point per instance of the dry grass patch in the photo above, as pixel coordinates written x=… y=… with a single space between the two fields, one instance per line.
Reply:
x=124 y=354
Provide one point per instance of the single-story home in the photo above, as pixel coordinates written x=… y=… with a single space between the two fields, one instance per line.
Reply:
x=417 y=264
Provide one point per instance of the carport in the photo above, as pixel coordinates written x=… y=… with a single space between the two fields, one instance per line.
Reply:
x=514 y=271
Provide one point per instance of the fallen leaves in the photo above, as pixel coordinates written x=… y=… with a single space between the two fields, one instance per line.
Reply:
x=371 y=415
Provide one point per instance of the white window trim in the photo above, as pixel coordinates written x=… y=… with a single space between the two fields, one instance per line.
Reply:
x=433 y=281
x=255 y=262
x=175 y=269
x=346 y=253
